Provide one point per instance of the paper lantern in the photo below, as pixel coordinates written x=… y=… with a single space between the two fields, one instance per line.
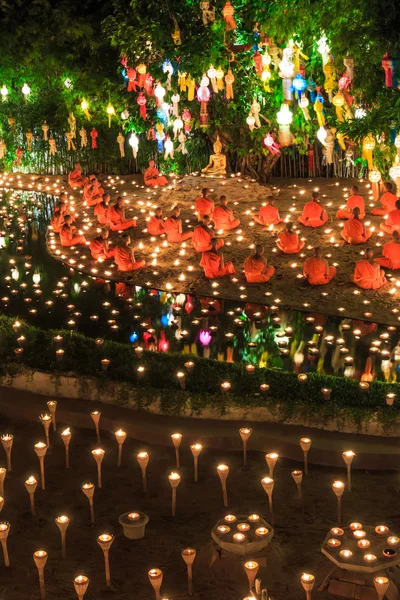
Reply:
x=299 y=84
x=26 y=90
x=203 y=96
x=304 y=103
x=219 y=74
x=110 y=112
x=212 y=74
x=229 y=79
x=286 y=72
x=284 y=118
x=250 y=121
x=141 y=100
x=374 y=175
x=85 y=108
x=134 y=143
x=4 y=93
x=125 y=114
x=159 y=93
x=227 y=12
x=360 y=113
x=338 y=102
x=387 y=65
x=321 y=135
x=367 y=148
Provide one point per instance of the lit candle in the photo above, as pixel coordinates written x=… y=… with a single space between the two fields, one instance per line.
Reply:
x=337 y=531
x=174 y=480
x=253 y=518
x=238 y=537
x=261 y=532
x=346 y=554
x=223 y=472
x=381 y=529
x=223 y=529
x=363 y=544
x=334 y=543
x=393 y=540
x=369 y=558
x=355 y=526
x=243 y=527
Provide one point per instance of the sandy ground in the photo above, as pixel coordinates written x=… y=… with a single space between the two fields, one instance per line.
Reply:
x=177 y=265
x=294 y=549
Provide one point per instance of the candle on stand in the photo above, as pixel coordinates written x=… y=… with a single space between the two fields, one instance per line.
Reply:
x=3 y=473
x=307 y=581
x=348 y=459
x=298 y=478
x=31 y=485
x=7 y=441
x=271 y=460
x=381 y=584
x=46 y=422
x=1 y=503
x=305 y=444
x=96 y=414
x=268 y=486
x=196 y=449
x=40 y=558
x=176 y=440
x=155 y=578
x=66 y=438
x=81 y=583
x=223 y=472
x=105 y=540
x=338 y=488
x=4 y=531
x=188 y=555
x=62 y=523
x=245 y=433
x=174 y=480
x=52 y=406
x=120 y=436
x=98 y=455
x=88 y=490
x=41 y=449
x=251 y=568
x=143 y=460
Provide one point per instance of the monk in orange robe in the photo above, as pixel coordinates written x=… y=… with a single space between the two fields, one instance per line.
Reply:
x=99 y=247
x=75 y=178
x=173 y=227
x=256 y=268
x=288 y=241
x=223 y=216
x=155 y=225
x=204 y=206
x=314 y=215
x=353 y=201
x=68 y=234
x=317 y=270
x=213 y=263
x=101 y=211
x=354 y=231
x=387 y=200
x=116 y=214
x=391 y=253
x=392 y=223
x=57 y=220
x=268 y=214
x=94 y=194
x=125 y=258
x=367 y=273
x=152 y=177
x=202 y=236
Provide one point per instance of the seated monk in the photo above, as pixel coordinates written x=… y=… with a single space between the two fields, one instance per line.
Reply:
x=223 y=216
x=353 y=201
x=288 y=241
x=64 y=204
x=99 y=247
x=387 y=200
x=391 y=253
x=367 y=274
x=204 y=206
x=75 y=178
x=314 y=215
x=173 y=227
x=392 y=223
x=152 y=177
x=255 y=267
x=317 y=270
x=57 y=220
x=202 y=236
x=268 y=214
x=354 y=231
x=68 y=234
x=116 y=214
x=94 y=194
x=155 y=225
x=124 y=256
x=101 y=211
x=213 y=263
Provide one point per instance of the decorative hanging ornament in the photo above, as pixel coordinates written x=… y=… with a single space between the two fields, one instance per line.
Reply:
x=45 y=129
x=176 y=35
x=70 y=141
x=159 y=93
x=85 y=108
x=178 y=126
x=72 y=124
x=255 y=109
x=329 y=145
x=304 y=103
x=169 y=69
x=208 y=14
x=29 y=136
x=3 y=150
x=319 y=109
x=141 y=100
x=299 y=85
x=142 y=70
x=175 y=100
x=134 y=144
x=286 y=72
x=169 y=148
x=250 y=121
x=26 y=90
x=330 y=80
x=284 y=118
x=52 y=146
x=271 y=144
x=368 y=146
x=4 y=93
x=338 y=102
x=349 y=64
x=94 y=134
x=203 y=96
x=186 y=117
x=131 y=74
x=160 y=137
x=182 y=143
x=182 y=81
x=212 y=74
x=227 y=12
x=258 y=62
x=321 y=135
x=83 y=136
x=387 y=64
x=375 y=177
x=191 y=87
x=229 y=80
x=121 y=144
x=394 y=171
x=219 y=74
x=397 y=143
x=110 y=112
x=125 y=114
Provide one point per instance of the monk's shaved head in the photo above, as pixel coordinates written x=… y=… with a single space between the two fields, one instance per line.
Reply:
x=388 y=186
x=104 y=233
x=214 y=242
x=158 y=211
x=317 y=251
x=204 y=191
x=315 y=196
x=396 y=235
x=369 y=253
x=259 y=249
x=354 y=189
x=289 y=227
x=206 y=219
x=398 y=204
x=356 y=211
x=270 y=200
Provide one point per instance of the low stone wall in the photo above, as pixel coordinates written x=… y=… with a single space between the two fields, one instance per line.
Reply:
x=71 y=386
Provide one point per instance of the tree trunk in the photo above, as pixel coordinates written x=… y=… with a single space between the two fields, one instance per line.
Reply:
x=258 y=166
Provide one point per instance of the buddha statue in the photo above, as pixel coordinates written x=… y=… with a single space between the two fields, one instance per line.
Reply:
x=217 y=164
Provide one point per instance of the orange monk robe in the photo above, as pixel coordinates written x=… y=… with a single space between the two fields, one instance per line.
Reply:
x=125 y=260
x=257 y=271
x=76 y=180
x=118 y=223
x=391 y=256
x=172 y=229
x=388 y=203
x=57 y=221
x=201 y=239
x=355 y=201
x=268 y=215
x=68 y=237
x=155 y=226
x=289 y=243
x=152 y=177
x=313 y=215
x=317 y=271
x=100 y=250
x=224 y=219
x=367 y=276
x=102 y=214
x=392 y=222
x=204 y=207
x=211 y=263
x=94 y=196
x=354 y=232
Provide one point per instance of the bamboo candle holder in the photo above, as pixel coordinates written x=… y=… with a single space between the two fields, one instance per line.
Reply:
x=81 y=585
x=31 y=485
x=251 y=569
x=223 y=472
x=305 y=444
x=348 y=459
x=98 y=455
x=176 y=440
x=155 y=578
x=7 y=441
x=307 y=581
x=268 y=486
x=338 y=488
x=46 y=422
x=143 y=460
x=4 y=531
x=245 y=433
x=41 y=449
x=298 y=478
x=1 y=503
x=88 y=490
x=3 y=473
x=40 y=558
x=62 y=523
x=105 y=540
x=120 y=436
x=196 y=449
x=174 y=480
x=381 y=584
x=188 y=555
x=66 y=438
x=96 y=414
x=52 y=406
x=271 y=459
